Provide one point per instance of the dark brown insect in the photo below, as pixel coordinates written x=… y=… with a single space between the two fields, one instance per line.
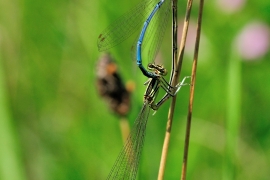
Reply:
x=111 y=87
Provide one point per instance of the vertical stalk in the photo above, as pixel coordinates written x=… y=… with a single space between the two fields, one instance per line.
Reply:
x=11 y=166
x=233 y=115
x=176 y=69
x=124 y=127
x=174 y=37
x=192 y=88
x=174 y=56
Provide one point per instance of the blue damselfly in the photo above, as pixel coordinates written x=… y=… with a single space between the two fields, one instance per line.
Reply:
x=154 y=18
x=126 y=165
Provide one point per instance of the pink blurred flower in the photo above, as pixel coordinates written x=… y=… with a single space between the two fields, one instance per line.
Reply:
x=191 y=36
x=230 y=6
x=205 y=47
x=253 y=41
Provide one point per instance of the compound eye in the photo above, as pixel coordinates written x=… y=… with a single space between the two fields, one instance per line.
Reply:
x=151 y=66
x=158 y=69
x=163 y=72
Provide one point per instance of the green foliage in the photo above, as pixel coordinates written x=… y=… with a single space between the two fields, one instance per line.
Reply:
x=53 y=124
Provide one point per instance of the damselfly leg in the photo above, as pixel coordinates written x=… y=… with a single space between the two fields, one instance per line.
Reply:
x=153 y=85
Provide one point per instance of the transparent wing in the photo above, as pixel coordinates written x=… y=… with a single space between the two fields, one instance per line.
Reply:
x=125 y=26
x=126 y=165
x=155 y=33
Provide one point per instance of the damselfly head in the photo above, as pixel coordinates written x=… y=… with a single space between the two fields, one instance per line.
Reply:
x=158 y=69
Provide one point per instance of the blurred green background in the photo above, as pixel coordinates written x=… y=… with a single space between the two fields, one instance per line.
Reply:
x=53 y=124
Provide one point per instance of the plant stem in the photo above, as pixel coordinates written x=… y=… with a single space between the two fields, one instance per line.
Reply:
x=233 y=115
x=11 y=166
x=124 y=127
x=192 y=88
x=174 y=78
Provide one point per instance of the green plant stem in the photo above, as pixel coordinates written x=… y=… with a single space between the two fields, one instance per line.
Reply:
x=124 y=127
x=233 y=115
x=10 y=162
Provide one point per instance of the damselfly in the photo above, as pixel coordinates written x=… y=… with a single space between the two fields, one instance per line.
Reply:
x=126 y=165
x=156 y=18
